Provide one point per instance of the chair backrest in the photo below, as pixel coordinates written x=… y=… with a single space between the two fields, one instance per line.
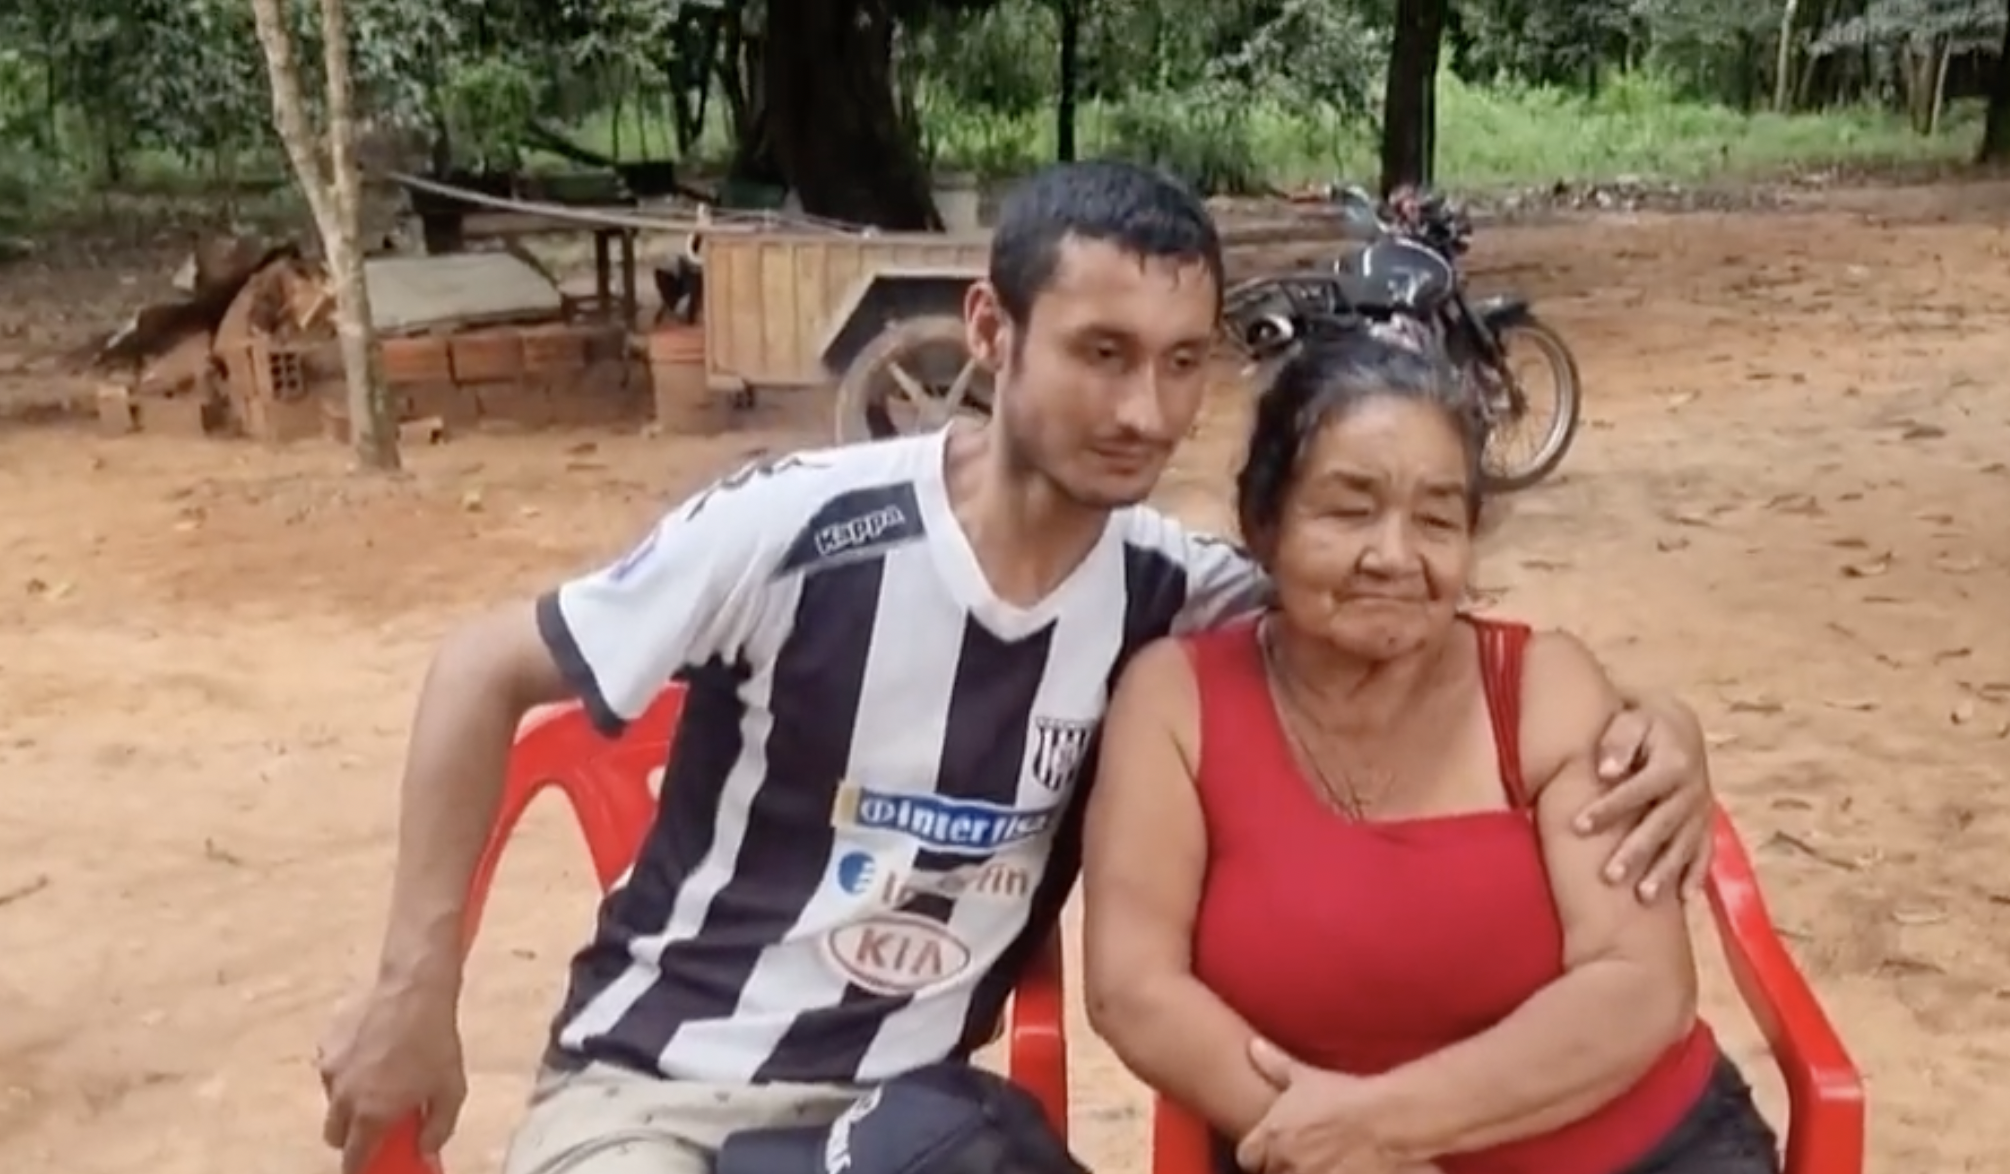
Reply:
x=1825 y=1127
x=605 y=781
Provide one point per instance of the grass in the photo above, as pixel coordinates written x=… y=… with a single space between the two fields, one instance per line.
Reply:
x=1489 y=137
x=1495 y=136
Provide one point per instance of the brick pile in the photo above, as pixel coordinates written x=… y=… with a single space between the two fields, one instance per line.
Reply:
x=272 y=370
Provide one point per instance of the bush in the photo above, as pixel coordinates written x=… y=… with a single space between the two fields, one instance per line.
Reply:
x=1210 y=144
x=1226 y=141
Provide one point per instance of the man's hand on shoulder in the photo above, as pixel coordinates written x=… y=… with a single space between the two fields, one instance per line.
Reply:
x=1655 y=760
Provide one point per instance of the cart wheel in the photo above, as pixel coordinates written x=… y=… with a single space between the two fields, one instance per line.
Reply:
x=914 y=376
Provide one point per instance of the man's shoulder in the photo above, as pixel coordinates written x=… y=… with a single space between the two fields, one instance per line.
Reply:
x=808 y=476
x=1150 y=530
x=812 y=506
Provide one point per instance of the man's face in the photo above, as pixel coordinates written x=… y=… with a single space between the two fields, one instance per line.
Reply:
x=1097 y=387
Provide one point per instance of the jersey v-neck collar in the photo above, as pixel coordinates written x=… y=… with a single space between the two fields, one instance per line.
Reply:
x=956 y=559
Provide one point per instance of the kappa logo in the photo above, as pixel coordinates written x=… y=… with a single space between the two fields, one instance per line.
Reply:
x=966 y=827
x=839 y=537
x=897 y=953
x=861 y=874
x=1059 y=747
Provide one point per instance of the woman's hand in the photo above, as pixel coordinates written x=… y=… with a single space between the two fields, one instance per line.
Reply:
x=1321 y=1123
x=1654 y=760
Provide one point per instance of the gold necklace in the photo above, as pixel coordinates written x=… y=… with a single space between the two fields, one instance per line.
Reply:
x=1342 y=797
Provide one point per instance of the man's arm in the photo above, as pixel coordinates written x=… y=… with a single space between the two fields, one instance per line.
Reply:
x=1222 y=581
x=612 y=638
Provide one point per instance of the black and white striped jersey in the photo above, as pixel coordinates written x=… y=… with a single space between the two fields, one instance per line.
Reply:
x=867 y=822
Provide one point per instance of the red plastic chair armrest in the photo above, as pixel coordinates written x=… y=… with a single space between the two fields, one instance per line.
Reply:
x=1825 y=1094
x=1181 y=1141
x=1038 y=1044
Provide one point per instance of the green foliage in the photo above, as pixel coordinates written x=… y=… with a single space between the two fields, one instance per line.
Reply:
x=1005 y=58
x=1969 y=25
x=1236 y=95
x=1639 y=125
x=486 y=106
x=1208 y=142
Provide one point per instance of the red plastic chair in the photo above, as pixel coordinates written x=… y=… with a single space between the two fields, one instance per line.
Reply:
x=607 y=784
x=1825 y=1133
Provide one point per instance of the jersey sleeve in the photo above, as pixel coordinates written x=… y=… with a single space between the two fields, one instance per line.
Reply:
x=1222 y=582
x=689 y=591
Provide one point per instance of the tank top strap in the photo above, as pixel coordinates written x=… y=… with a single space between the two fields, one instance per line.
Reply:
x=1241 y=749
x=1502 y=647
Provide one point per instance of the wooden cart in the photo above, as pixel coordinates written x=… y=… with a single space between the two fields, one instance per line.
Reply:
x=877 y=315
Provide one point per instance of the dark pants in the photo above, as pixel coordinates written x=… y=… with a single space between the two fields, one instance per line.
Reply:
x=1722 y=1133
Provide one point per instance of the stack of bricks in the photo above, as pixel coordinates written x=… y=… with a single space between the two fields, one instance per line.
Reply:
x=554 y=375
x=177 y=393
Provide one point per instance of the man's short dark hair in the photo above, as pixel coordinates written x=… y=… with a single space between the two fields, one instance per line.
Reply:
x=1143 y=212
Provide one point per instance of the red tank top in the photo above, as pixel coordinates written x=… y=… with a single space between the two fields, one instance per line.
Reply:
x=1360 y=947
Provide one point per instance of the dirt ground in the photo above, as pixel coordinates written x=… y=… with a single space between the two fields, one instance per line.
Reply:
x=1785 y=506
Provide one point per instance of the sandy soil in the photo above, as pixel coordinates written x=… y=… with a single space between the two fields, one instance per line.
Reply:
x=1785 y=506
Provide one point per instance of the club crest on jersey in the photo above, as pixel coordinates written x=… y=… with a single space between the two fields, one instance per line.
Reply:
x=1059 y=746
x=965 y=827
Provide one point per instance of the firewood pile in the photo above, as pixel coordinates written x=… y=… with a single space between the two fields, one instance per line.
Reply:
x=251 y=350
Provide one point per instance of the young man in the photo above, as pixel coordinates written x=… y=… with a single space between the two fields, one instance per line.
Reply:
x=897 y=656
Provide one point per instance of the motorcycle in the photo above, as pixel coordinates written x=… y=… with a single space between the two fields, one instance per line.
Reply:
x=1408 y=275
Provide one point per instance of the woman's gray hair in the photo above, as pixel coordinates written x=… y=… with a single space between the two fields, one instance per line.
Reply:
x=1336 y=368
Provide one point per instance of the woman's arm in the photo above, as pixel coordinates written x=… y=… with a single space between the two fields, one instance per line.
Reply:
x=1144 y=855
x=1628 y=991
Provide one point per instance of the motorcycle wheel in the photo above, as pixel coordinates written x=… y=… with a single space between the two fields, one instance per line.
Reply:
x=1499 y=472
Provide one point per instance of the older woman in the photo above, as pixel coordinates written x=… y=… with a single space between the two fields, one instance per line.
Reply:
x=1335 y=903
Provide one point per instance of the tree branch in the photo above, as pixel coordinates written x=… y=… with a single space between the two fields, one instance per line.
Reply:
x=289 y=111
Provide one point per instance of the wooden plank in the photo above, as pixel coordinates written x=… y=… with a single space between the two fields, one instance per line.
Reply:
x=504 y=225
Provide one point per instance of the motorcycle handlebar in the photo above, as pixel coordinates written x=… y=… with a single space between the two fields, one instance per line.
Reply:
x=1421 y=213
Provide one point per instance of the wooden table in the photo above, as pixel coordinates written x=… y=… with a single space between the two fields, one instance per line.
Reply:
x=609 y=244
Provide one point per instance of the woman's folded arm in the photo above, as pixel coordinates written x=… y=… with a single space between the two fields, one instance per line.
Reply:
x=1144 y=859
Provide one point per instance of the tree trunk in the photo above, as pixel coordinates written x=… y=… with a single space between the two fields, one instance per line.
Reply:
x=1409 y=98
x=831 y=116
x=739 y=77
x=1916 y=70
x=1071 y=64
x=1996 y=125
x=1943 y=51
x=333 y=193
x=1783 y=61
x=373 y=425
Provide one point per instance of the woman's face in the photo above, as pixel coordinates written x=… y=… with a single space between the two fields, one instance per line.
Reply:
x=1374 y=545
